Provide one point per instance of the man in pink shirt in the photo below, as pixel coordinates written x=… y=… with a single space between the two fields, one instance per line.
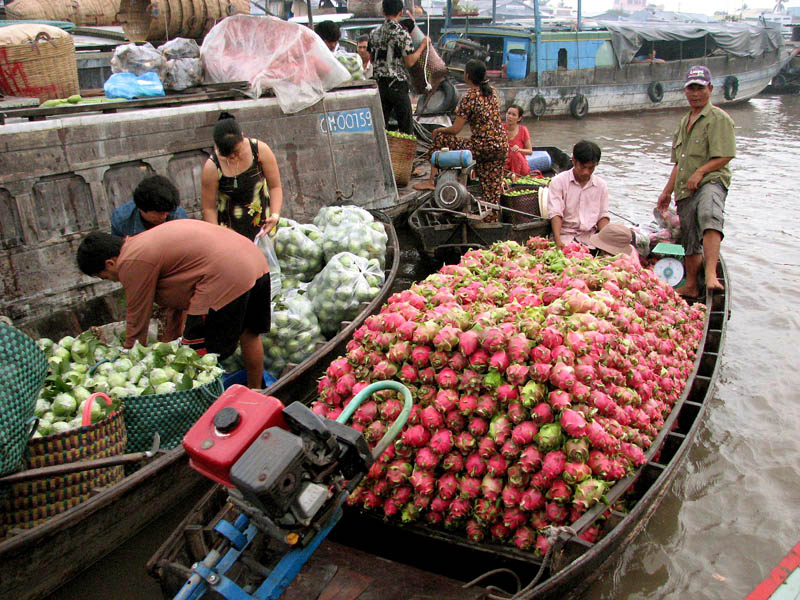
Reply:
x=577 y=204
x=214 y=279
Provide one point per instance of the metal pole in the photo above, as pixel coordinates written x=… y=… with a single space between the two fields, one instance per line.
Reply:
x=310 y=15
x=580 y=18
x=447 y=16
x=538 y=31
x=494 y=11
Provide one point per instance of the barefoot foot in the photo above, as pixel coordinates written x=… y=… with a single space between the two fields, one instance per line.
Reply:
x=424 y=186
x=714 y=284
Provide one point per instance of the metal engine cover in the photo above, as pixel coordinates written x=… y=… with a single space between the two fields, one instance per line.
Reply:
x=451 y=193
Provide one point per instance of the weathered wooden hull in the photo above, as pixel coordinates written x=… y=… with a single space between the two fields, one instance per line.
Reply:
x=613 y=90
x=61 y=178
x=35 y=562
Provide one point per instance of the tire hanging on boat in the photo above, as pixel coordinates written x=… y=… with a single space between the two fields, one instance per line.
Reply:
x=538 y=105
x=779 y=81
x=655 y=91
x=579 y=106
x=730 y=87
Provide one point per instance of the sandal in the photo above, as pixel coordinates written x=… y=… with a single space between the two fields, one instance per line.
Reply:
x=423 y=186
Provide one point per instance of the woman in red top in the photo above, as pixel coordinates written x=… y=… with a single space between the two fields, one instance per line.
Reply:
x=519 y=142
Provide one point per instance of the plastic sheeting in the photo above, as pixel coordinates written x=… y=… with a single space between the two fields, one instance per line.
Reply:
x=271 y=53
x=735 y=39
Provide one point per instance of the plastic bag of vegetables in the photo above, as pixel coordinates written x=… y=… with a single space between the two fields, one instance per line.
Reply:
x=367 y=240
x=336 y=215
x=299 y=250
x=294 y=334
x=338 y=290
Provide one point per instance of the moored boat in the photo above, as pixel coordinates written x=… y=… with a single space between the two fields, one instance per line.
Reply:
x=63 y=546
x=606 y=68
x=573 y=561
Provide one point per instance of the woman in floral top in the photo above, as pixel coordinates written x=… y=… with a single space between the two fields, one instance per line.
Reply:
x=239 y=181
x=480 y=109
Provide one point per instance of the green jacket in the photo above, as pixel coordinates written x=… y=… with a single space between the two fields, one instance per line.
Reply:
x=711 y=137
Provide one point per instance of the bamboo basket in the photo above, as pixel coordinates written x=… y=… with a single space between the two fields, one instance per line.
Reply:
x=158 y=20
x=83 y=12
x=528 y=203
x=37 y=61
x=402 y=151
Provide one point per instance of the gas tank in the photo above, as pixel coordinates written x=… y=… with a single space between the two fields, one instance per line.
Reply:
x=222 y=434
x=449 y=159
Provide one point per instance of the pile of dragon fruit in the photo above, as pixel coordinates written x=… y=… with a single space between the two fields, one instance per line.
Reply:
x=539 y=379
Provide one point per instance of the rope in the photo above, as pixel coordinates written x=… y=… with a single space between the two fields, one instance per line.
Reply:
x=553 y=535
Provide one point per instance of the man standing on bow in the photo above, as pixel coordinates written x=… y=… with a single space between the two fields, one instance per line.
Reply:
x=702 y=147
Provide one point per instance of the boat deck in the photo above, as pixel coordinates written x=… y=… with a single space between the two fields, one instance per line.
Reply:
x=343 y=573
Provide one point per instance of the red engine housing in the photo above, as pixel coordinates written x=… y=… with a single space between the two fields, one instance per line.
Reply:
x=219 y=437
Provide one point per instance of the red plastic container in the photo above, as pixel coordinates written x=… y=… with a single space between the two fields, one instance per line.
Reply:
x=227 y=429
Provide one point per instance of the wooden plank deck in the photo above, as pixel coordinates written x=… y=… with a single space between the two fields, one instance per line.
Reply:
x=337 y=572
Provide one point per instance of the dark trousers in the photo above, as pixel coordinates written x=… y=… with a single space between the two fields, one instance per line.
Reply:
x=394 y=97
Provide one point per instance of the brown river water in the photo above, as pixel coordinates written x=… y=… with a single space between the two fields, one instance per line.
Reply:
x=732 y=512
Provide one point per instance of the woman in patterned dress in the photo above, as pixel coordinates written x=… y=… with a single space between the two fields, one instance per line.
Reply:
x=239 y=181
x=480 y=109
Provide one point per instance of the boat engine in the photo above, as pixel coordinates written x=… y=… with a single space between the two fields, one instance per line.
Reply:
x=288 y=471
x=455 y=168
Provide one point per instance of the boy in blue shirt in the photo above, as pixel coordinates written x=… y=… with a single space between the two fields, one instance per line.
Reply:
x=155 y=200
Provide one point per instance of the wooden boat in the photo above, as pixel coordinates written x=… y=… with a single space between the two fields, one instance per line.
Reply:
x=783 y=582
x=559 y=71
x=36 y=561
x=574 y=563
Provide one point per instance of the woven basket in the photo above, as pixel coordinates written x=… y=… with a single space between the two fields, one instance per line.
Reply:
x=435 y=69
x=402 y=151
x=29 y=503
x=171 y=415
x=83 y=12
x=528 y=203
x=37 y=61
x=23 y=368
x=158 y=20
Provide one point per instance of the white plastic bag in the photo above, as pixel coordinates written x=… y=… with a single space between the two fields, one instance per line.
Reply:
x=339 y=289
x=294 y=334
x=271 y=53
x=264 y=244
x=299 y=250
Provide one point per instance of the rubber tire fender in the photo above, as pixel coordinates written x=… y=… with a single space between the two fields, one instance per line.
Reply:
x=444 y=100
x=579 y=106
x=779 y=82
x=730 y=87
x=655 y=91
x=538 y=105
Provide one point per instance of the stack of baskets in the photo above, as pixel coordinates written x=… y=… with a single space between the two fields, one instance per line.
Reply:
x=158 y=20
x=85 y=12
x=402 y=149
x=365 y=8
x=37 y=61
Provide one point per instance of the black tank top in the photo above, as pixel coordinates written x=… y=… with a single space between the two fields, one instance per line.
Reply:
x=242 y=200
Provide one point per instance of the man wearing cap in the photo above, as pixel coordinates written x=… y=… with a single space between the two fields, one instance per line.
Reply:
x=702 y=147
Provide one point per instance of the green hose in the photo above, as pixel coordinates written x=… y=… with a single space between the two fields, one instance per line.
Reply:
x=398 y=424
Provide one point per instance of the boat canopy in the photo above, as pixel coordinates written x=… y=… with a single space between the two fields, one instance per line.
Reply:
x=739 y=40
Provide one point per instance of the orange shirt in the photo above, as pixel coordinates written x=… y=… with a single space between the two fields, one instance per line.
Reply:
x=187 y=266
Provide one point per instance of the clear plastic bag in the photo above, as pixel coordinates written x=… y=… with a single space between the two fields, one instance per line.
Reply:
x=294 y=334
x=264 y=243
x=336 y=215
x=130 y=85
x=339 y=289
x=180 y=48
x=367 y=240
x=271 y=53
x=130 y=58
x=299 y=250
x=182 y=73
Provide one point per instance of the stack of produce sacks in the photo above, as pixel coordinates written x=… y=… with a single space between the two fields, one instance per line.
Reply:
x=294 y=334
x=74 y=374
x=299 y=250
x=539 y=379
x=351 y=229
